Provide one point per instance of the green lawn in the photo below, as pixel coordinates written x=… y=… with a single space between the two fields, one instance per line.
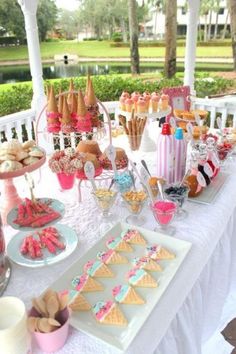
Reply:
x=102 y=49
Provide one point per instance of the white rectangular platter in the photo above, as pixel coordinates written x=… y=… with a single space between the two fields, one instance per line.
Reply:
x=209 y=193
x=121 y=337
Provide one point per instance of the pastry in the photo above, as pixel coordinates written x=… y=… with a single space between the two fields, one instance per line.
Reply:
x=147 y=264
x=164 y=102
x=121 y=160
x=30 y=160
x=84 y=157
x=109 y=313
x=28 y=144
x=141 y=105
x=11 y=147
x=36 y=152
x=159 y=252
x=90 y=146
x=97 y=269
x=125 y=294
x=76 y=301
x=154 y=103
x=140 y=278
x=129 y=104
x=7 y=157
x=85 y=283
x=116 y=243
x=21 y=155
x=9 y=166
x=111 y=257
x=133 y=236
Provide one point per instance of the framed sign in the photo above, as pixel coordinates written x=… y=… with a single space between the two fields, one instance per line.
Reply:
x=179 y=97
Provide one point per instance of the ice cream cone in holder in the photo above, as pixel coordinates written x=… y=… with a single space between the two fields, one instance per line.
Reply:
x=66 y=121
x=53 y=116
x=84 y=123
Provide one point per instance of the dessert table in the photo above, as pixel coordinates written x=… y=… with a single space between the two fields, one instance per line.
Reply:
x=189 y=311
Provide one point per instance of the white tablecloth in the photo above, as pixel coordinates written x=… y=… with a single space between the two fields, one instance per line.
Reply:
x=189 y=311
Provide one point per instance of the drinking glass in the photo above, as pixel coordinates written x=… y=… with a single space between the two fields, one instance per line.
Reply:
x=164 y=212
x=135 y=201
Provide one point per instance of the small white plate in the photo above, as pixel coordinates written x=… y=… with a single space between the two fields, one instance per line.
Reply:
x=53 y=203
x=121 y=337
x=67 y=235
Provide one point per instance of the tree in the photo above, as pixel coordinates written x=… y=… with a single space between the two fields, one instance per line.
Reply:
x=216 y=10
x=232 y=10
x=68 y=23
x=12 y=19
x=170 y=37
x=133 y=31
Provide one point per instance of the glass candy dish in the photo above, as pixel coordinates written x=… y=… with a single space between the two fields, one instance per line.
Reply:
x=105 y=199
x=134 y=201
x=164 y=212
x=177 y=193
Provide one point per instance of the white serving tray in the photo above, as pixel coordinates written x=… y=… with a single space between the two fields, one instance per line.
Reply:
x=121 y=337
x=209 y=193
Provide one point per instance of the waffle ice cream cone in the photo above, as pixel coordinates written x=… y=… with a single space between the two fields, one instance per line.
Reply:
x=109 y=313
x=125 y=294
x=111 y=257
x=159 y=252
x=98 y=269
x=118 y=244
x=79 y=303
x=140 y=278
x=92 y=285
x=147 y=264
x=85 y=283
x=133 y=237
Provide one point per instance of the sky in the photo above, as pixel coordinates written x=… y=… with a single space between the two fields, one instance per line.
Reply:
x=67 y=4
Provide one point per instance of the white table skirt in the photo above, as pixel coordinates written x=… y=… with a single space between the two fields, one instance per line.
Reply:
x=189 y=311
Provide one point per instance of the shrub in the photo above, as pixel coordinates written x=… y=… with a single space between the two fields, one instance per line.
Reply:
x=107 y=87
x=117 y=37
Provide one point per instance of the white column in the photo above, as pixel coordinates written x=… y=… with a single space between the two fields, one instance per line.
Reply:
x=29 y=9
x=191 y=43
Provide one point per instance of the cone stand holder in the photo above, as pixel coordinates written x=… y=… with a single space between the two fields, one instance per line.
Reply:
x=147 y=144
x=52 y=137
x=11 y=198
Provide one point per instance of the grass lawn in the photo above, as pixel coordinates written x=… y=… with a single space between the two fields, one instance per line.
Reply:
x=102 y=49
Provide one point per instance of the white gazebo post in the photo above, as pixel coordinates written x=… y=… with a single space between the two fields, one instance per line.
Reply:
x=29 y=9
x=191 y=43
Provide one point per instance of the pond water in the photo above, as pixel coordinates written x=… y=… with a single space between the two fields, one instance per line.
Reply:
x=19 y=73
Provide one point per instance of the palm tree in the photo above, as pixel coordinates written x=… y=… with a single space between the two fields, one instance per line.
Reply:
x=232 y=10
x=133 y=31
x=170 y=37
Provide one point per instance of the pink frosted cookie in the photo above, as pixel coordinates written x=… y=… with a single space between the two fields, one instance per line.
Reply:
x=85 y=283
x=138 y=277
x=116 y=243
x=147 y=264
x=158 y=252
x=98 y=269
x=133 y=236
x=75 y=300
x=125 y=294
x=109 y=313
x=111 y=257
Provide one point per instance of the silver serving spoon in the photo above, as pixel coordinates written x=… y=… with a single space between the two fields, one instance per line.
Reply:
x=143 y=162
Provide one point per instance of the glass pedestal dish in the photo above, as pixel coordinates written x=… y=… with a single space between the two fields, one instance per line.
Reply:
x=164 y=212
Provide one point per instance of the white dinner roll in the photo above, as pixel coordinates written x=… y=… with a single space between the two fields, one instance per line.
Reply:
x=21 y=155
x=30 y=160
x=10 y=166
x=11 y=146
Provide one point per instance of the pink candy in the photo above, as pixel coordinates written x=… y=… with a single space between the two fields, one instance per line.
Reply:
x=164 y=211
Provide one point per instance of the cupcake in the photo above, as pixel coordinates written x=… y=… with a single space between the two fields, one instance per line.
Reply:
x=164 y=102
x=141 y=105
x=129 y=103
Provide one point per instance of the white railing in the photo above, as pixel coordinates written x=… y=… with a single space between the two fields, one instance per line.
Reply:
x=16 y=124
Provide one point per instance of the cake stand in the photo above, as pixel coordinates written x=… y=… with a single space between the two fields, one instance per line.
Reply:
x=10 y=196
x=147 y=144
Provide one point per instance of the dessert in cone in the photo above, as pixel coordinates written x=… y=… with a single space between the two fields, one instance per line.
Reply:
x=73 y=110
x=133 y=236
x=147 y=264
x=111 y=257
x=92 y=105
x=116 y=243
x=53 y=123
x=70 y=94
x=66 y=121
x=84 y=123
x=125 y=294
x=109 y=313
x=60 y=102
x=85 y=283
x=97 y=269
x=159 y=252
x=76 y=301
x=87 y=87
x=140 y=278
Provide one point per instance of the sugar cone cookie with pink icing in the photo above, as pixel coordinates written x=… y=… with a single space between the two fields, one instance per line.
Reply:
x=109 y=313
x=111 y=257
x=147 y=264
x=97 y=269
x=134 y=237
x=53 y=116
x=84 y=122
x=125 y=294
x=117 y=244
x=140 y=278
x=159 y=252
x=85 y=283
x=76 y=301
x=66 y=121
